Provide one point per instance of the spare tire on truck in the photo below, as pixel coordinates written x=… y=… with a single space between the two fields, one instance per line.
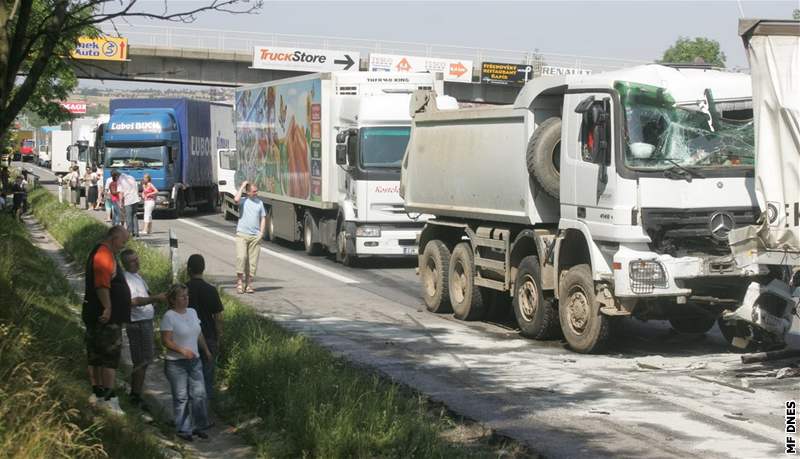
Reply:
x=544 y=155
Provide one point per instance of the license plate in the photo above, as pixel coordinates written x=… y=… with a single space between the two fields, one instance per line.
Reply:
x=409 y=250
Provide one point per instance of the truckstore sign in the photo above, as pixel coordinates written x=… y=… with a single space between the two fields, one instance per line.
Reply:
x=77 y=108
x=453 y=69
x=101 y=49
x=313 y=60
x=510 y=74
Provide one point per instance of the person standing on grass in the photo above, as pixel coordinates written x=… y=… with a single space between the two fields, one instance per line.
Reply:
x=73 y=181
x=182 y=336
x=149 y=192
x=20 y=196
x=106 y=307
x=140 y=329
x=249 y=232
x=129 y=190
x=204 y=298
x=91 y=190
x=100 y=188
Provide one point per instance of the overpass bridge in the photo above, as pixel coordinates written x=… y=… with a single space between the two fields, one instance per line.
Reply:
x=198 y=56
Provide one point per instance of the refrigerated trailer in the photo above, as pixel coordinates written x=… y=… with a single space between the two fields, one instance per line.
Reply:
x=325 y=152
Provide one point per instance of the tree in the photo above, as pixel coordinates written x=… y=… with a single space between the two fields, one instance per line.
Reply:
x=36 y=35
x=687 y=51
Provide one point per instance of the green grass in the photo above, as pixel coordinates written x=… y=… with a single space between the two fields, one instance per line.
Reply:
x=310 y=403
x=43 y=388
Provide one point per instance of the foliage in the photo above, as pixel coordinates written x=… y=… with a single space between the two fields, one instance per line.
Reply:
x=37 y=35
x=43 y=386
x=796 y=14
x=689 y=51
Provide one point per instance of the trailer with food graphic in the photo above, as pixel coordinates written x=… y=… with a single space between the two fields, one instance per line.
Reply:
x=325 y=151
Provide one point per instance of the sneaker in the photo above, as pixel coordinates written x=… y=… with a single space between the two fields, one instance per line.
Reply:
x=112 y=406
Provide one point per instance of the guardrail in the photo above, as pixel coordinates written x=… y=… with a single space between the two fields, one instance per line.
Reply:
x=244 y=42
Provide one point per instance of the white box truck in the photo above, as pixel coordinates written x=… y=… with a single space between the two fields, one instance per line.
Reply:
x=58 y=143
x=591 y=197
x=325 y=151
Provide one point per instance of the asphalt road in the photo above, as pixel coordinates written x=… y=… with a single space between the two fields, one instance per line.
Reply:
x=656 y=393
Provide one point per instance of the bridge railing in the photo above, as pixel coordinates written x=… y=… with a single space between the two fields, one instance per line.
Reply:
x=244 y=42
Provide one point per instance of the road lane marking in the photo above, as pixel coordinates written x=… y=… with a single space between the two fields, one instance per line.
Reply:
x=290 y=259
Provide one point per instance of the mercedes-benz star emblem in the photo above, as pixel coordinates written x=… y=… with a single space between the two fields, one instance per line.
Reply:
x=720 y=224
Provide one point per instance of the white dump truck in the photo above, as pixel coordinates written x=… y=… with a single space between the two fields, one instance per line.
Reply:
x=768 y=316
x=591 y=197
x=325 y=152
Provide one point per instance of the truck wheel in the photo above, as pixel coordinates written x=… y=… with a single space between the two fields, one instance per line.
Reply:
x=346 y=250
x=465 y=296
x=544 y=156
x=312 y=248
x=537 y=317
x=584 y=327
x=434 y=267
x=693 y=324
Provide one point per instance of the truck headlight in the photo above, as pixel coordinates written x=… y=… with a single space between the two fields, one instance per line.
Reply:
x=646 y=275
x=368 y=231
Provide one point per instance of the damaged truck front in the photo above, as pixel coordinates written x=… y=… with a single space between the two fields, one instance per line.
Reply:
x=768 y=316
x=592 y=197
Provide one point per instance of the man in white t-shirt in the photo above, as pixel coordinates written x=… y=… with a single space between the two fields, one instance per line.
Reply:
x=140 y=329
x=129 y=189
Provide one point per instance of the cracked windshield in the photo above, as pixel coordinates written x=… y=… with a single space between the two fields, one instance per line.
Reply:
x=136 y=157
x=661 y=135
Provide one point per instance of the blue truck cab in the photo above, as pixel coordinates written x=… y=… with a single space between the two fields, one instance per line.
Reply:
x=171 y=140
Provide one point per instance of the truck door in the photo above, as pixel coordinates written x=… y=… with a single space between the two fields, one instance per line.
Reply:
x=589 y=194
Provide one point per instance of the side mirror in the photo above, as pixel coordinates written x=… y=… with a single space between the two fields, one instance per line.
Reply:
x=341 y=153
x=595 y=129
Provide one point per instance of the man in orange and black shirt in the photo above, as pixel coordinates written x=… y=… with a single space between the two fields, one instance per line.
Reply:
x=106 y=307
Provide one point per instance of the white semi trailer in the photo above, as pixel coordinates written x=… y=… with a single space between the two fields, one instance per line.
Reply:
x=591 y=197
x=325 y=151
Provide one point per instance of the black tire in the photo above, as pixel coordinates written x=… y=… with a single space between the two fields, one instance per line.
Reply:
x=536 y=316
x=434 y=267
x=346 y=250
x=693 y=324
x=311 y=248
x=585 y=328
x=543 y=156
x=465 y=296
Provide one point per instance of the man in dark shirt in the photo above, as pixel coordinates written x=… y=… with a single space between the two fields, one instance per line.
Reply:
x=203 y=297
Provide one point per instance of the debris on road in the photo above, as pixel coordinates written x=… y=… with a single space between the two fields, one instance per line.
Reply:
x=723 y=383
x=788 y=372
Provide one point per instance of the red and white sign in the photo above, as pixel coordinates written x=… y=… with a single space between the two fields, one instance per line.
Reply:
x=305 y=59
x=453 y=69
x=77 y=108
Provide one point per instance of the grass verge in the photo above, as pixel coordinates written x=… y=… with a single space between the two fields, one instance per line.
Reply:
x=44 y=411
x=308 y=403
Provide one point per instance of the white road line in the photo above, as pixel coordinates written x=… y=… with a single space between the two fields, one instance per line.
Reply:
x=303 y=264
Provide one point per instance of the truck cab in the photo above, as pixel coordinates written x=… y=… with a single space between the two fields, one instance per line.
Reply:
x=143 y=141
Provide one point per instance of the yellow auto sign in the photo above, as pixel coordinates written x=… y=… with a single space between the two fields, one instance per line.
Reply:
x=101 y=49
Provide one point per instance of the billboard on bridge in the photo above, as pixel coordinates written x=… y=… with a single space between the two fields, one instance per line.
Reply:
x=101 y=49
x=453 y=69
x=305 y=59
x=509 y=74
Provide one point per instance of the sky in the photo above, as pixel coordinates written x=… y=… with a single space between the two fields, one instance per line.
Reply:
x=639 y=30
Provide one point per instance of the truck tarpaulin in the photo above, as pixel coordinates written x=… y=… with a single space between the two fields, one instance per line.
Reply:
x=773 y=49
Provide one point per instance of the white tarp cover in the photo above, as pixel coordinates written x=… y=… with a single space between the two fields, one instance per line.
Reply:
x=775 y=70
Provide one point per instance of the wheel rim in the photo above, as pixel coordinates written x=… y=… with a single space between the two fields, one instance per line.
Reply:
x=429 y=274
x=528 y=298
x=578 y=311
x=459 y=283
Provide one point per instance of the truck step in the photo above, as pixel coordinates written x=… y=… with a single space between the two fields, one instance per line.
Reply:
x=488 y=263
x=488 y=283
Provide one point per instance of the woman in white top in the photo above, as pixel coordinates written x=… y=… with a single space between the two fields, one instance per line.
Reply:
x=181 y=335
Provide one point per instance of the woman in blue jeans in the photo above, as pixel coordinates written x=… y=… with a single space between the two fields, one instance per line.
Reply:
x=180 y=333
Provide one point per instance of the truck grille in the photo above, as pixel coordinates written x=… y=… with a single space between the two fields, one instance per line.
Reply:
x=676 y=231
